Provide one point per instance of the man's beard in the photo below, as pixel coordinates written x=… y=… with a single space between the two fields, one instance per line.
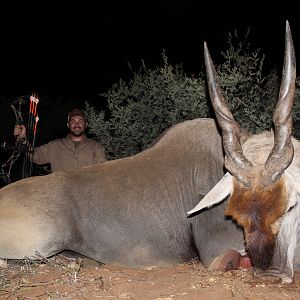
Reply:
x=77 y=132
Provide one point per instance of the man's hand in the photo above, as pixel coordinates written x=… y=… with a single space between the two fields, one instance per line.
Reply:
x=20 y=132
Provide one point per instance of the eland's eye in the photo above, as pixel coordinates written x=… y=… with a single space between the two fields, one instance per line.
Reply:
x=291 y=207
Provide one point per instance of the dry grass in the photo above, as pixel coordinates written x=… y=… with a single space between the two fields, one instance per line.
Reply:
x=15 y=274
x=81 y=278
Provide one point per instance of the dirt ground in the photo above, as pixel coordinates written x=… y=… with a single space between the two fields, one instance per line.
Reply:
x=65 y=278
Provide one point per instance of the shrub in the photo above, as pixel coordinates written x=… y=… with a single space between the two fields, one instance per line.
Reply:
x=154 y=99
x=250 y=95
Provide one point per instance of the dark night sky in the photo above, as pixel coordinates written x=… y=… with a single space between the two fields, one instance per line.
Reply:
x=74 y=52
x=80 y=50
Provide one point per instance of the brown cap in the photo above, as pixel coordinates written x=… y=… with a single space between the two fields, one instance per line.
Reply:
x=76 y=113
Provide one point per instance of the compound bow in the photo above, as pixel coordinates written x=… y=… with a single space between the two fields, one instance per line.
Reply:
x=19 y=146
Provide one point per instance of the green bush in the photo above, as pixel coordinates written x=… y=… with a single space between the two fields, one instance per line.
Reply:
x=250 y=95
x=154 y=99
x=296 y=110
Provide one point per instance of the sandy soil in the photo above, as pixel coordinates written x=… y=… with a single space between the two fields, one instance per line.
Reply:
x=82 y=278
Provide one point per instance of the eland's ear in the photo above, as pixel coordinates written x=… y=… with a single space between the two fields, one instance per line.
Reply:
x=216 y=195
